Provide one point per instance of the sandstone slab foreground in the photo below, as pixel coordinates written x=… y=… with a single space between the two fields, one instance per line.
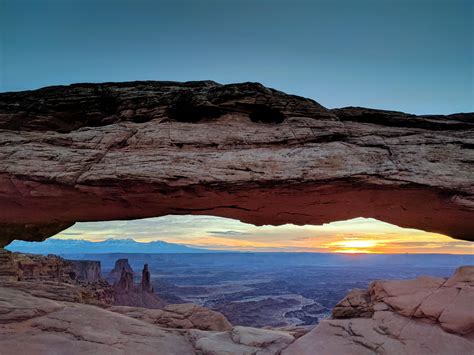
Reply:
x=427 y=315
x=91 y=152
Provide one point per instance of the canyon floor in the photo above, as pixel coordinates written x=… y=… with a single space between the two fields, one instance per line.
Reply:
x=274 y=289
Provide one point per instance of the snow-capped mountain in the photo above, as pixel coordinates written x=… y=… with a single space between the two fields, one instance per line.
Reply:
x=75 y=246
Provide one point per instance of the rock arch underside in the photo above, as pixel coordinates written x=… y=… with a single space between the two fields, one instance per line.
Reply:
x=91 y=152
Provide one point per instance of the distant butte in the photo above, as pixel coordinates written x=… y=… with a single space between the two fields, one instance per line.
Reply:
x=92 y=152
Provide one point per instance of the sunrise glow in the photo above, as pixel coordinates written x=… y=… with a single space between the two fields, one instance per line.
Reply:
x=353 y=246
x=359 y=235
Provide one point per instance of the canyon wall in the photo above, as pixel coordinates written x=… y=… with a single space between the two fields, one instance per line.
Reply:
x=55 y=278
x=48 y=268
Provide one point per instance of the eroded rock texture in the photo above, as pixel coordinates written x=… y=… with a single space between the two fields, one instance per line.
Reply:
x=35 y=325
x=116 y=273
x=146 y=280
x=27 y=267
x=181 y=316
x=127 y=293
x=427 y=315
x=55 y=278
x=423 y=316
x=108 y=151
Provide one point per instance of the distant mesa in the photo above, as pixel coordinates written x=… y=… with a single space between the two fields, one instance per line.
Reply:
x=78 y=280
x=56 y=278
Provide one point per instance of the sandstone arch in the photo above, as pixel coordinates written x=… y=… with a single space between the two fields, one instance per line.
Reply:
x=107 y=151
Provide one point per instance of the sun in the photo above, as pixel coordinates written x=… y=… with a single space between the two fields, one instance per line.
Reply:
x=354 y=246
x=358 y=243
x=353 y=251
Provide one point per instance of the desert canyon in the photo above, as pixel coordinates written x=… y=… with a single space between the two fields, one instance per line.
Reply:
x=97 y=152
x=50 y=304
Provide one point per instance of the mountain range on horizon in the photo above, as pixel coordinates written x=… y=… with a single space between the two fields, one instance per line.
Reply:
x=74 y=246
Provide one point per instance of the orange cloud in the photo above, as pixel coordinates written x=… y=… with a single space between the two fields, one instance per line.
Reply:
x=359 y=235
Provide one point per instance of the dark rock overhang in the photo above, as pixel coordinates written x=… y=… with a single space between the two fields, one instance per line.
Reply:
x=88 y=152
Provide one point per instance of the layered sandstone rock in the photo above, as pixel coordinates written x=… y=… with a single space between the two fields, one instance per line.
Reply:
x=183 y=316
x=125 y=283
x=88 y=270
x=108 y=151
x=129 y=294
x=34 y=325
x=55 y=278
x=240 y=341
x=120 y=265
x=424 y=316
x=8 y=268
x=53 y=268
x=146 y=280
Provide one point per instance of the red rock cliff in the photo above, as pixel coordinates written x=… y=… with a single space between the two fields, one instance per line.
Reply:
x=89 y=152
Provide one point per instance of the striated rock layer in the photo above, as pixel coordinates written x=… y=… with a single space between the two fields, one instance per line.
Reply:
x=181 y=316
x=129 y=294
x=55 y=278
x=36 y=325
x=35 y=267
x=120 y=265
x=109 y=151
x=428 y=315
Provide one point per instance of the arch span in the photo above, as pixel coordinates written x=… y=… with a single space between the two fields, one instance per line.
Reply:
x=90 y=152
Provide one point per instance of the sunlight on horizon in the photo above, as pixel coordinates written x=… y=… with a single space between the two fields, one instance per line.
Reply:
x=358 y=235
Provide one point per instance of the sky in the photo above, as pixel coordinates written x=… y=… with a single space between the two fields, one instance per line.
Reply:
x=408 y=55
x=359 y=235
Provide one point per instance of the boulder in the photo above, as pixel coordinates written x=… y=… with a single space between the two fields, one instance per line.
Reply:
x=240 y=341
x=182 y=316
x=423 y=316
x=32 y=325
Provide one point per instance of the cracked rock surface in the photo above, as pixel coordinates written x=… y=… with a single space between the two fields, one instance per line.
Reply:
x=183 y=316
x=35 y=325
x=423 y=316
x=110 y=151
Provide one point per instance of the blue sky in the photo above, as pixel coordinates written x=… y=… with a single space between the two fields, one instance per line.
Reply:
x=408 y=55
